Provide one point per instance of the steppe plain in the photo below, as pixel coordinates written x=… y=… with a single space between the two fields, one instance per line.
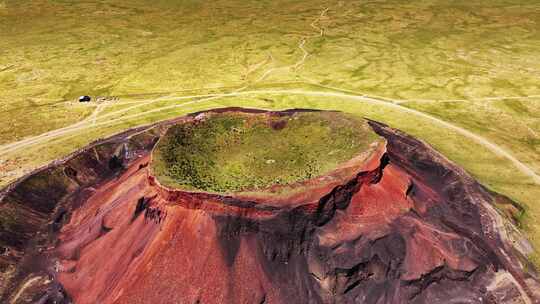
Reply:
x=462 y=75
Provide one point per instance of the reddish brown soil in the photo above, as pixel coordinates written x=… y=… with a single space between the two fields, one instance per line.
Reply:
x=403 y=225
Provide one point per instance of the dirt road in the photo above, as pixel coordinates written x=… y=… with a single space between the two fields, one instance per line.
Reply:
x=11 y=147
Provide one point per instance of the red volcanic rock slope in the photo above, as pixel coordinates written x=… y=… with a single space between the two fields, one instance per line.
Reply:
x=403 y=225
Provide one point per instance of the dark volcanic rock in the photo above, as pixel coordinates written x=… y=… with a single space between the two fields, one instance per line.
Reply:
x=403 y=226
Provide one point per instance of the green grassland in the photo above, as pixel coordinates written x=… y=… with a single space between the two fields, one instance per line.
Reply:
x=473 y=64
x=231 y=152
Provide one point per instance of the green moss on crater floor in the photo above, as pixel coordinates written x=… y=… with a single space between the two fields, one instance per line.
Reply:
x=230 y=152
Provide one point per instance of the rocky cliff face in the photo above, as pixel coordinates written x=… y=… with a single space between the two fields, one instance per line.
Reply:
x=403 y=225
x=34 y=208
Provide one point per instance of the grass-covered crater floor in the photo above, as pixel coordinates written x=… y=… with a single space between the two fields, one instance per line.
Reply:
x=237 y=151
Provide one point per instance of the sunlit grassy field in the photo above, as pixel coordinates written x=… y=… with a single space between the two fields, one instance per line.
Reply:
x=473 y=64
x=232 y=152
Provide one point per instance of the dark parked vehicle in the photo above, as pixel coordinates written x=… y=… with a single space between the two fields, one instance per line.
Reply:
x=85 y=98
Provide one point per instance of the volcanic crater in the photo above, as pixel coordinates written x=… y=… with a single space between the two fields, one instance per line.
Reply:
x=247 y=206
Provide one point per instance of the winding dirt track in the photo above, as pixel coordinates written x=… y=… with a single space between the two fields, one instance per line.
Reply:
x=91 y=121
x=362 y=98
